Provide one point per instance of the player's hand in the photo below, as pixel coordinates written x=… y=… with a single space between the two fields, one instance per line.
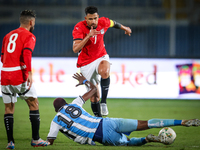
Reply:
x=29 y=80
x=93 y=32
x=79 y=77
x=128 y=31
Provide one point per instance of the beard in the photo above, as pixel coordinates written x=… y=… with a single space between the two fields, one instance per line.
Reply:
x=94 y=26
x=31 y=29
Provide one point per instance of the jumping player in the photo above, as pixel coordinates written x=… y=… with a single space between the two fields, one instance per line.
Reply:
x=93 y=60
x=16 y=76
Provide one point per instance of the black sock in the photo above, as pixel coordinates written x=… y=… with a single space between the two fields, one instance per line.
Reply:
x=105 y=83
x=35 y=123
x=96 y=109
x=8 y=121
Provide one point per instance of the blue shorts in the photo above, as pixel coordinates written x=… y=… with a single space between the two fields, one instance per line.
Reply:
x=114 y=130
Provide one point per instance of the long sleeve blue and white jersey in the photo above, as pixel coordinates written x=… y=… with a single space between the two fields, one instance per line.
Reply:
x=74 y=122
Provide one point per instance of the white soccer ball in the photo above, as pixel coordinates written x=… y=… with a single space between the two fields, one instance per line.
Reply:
x=168 y=135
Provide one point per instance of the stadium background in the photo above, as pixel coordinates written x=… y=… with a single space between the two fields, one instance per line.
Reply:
x=162 y=29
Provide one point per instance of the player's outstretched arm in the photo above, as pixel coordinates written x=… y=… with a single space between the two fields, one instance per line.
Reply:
x=118 y=25
x=83 y=80
x=126 y=29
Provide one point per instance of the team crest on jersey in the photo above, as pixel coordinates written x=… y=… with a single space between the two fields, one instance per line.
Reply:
x=102 y=31
x=33 y=38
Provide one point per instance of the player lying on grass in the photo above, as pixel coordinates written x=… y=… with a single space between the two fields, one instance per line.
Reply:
x=75 y=123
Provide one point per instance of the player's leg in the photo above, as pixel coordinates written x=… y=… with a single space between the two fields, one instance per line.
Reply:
x=90 y=73
x=149 y=138
x=104 y=71
x=9 y=102
x=144 y=125
x=137 y=141
x=159 y=123
x=130 y=125
x=31 y=99
x=9 y=121
x=127 y=126
x=34 y=116
x=114 y=130
x=95 y=103
x=35 y=122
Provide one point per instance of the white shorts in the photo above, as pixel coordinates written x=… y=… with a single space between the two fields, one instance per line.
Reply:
x=10 y=92
x=90 y=71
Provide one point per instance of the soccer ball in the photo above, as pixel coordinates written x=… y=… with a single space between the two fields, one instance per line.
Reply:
x=168 y=135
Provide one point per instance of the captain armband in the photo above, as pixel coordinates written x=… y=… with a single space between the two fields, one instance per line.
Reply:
x=117 y=25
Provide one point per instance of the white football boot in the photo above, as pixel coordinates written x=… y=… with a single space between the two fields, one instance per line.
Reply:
x=153 y=138
x=191 y=122
x=104 y=109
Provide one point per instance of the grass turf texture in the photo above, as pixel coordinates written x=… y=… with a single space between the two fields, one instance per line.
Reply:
x=187 y=137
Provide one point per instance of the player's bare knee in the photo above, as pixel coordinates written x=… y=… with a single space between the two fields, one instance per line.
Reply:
x=9 y=108
x=33 y=103
x=97 y=99
x=94 y=99
x=105 y=75
x=104 y=70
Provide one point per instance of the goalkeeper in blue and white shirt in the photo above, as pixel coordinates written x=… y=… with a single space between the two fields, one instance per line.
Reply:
x=75 y=123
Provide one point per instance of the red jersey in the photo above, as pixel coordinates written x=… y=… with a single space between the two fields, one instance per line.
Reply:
x=16 y=56
x=95 y=47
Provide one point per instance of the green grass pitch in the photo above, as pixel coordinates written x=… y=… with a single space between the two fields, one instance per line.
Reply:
x=187 y=137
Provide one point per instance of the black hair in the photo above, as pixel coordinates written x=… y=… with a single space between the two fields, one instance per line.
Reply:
x=26 y=15
x=30 y=13
x=58 y=103
x=91 y=10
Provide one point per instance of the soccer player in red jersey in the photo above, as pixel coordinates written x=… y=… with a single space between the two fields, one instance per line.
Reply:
x=16 y=76
x=93 y=59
